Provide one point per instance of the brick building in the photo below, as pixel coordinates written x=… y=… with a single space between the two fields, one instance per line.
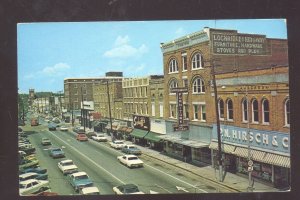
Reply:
x=238 y=60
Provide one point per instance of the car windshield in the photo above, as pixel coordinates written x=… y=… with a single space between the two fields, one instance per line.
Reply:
x=131 y=190
x=119 y=143
x=132 y=158
x=100 y=135
x=81 y=177
x=132 y=147
x=56 y=150
x=67 y=163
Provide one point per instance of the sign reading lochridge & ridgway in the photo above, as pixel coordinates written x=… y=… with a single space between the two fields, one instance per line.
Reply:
x=270 y=140
x=231 y=43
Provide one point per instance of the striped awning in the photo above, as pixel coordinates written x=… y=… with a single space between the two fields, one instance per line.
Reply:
x=225 y=147
x=278 y=160
x=255 y=154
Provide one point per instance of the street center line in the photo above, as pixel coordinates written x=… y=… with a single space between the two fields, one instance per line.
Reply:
x=88 y=159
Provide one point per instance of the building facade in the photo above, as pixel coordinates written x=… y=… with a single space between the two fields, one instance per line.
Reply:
x=243 y=64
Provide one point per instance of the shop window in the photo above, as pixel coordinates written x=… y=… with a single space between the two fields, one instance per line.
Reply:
x=186 y=111
x=196 y=107
x=266 y=111
x=254 y=111
x=229 y=110
x=173 y=110
x=203 y=113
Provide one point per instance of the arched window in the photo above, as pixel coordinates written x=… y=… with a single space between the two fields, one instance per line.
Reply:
x=287 y=112
x=245 y=110
x=221 y=108
x=255 y=111
x=173 y=66
x=229 y=109
x=173 y=84
x=266 y=111
x=197 y=61
x=198 y=86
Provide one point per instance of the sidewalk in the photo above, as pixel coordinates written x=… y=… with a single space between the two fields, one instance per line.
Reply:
x=234 y=182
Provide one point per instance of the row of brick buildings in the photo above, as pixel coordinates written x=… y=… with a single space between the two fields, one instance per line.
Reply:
x=252 y=81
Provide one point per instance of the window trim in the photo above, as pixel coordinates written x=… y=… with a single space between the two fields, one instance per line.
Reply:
x=252 y=112
x=201 y=85
x=286 y=124
x=243 y=110
x=219 y=109
x=228 y=111
x=200 y=61
x=264 y=111
x=173 y=64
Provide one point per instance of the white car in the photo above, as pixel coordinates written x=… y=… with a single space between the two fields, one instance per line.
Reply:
x=130 y=161
x=117 y=144
x=33 y=186
x=100 y=137
x=64 y=128
x=67 y=166
x=89 y=191
x=127 y=189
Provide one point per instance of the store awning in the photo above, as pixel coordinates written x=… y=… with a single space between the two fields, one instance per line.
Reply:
x=255 y=154
x=154 y=137
x=225 y=147
x=191 y=143
x=129 y=130
x=278 y=160
x=138 y=133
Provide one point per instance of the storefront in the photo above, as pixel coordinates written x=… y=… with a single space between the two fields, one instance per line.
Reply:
x=268 y=151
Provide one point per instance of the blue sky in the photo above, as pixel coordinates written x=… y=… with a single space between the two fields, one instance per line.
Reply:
x=50 y=52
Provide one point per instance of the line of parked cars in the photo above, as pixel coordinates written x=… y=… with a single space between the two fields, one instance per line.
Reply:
x=33 y=180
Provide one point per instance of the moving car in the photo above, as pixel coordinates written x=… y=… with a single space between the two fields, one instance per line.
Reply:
x=33 y=175
x=64 y=128
x=46 y=141
x=52 y=126
x=78 y=129
x=130 y=161
x=117 y=144
x=131 y=149
x=79 y=180
x=100 y=137
x=90 y=134
x=56 y=153
x=81 y=137
x=67 y=166
x=127 y=189
x=89 y=191
x=33 y=186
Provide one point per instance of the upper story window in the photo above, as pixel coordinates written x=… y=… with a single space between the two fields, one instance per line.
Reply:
x=75 y=85
x=197 y=61
x=221 y=109
x=255 y=111
x=198 y=86
x=173 y=84
x=184 y=61
x=287 y=112
x=266 y=111
x=245 y=110
x=229 y=110
x=173 y=66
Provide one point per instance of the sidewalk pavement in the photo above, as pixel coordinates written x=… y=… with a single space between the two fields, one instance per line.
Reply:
x=231 y=181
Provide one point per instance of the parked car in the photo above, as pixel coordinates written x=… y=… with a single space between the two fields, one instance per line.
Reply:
x=24 y=163
x=33 y=175
x=127 y=189
x=100 y=137
x=46 y=141
x=117 y=144
x=67 y=166
x=90 y=134
x=56 y=153
x=64 y=128
x=52 y=126
x=78 y=129
x=33 y=169
x=33 y=186
x=79 y=180
x=81 y=137
x=130 y=161
x=131 y=149
x=89 y=191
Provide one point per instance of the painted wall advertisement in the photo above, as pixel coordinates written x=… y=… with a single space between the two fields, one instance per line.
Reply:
x=269 y=140
x=141 y=122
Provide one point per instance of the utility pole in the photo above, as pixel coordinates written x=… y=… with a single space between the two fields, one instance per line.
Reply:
x=72 y=114
x=107 y=88
x=82 y=111
x=218 y=123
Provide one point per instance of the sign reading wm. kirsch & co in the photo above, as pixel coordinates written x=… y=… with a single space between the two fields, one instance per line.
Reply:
x=233 y=43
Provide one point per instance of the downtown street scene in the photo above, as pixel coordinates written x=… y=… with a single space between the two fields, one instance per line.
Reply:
x=164 y=107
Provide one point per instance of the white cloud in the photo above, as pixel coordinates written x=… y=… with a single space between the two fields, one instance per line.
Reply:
x=124 y=50
x=180 y=32
x=56 y=70
x=29 y=76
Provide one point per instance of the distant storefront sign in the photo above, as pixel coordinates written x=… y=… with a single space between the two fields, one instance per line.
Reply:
x=233 y=43
x=141 y=122
x=180 y=126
